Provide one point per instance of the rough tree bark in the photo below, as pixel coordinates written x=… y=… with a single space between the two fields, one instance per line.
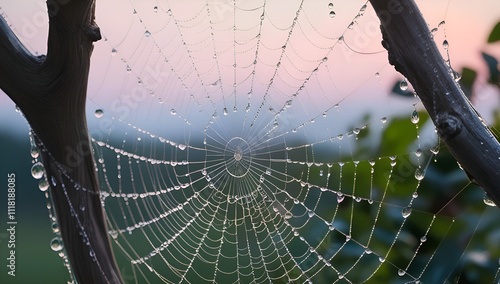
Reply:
x=414 y=54
x=51 y=92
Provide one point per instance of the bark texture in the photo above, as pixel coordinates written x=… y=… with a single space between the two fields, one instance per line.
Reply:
x=51 y=92
x=414 y=54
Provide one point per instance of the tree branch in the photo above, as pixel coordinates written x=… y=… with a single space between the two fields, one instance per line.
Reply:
x=51 y=92
x=414 y=54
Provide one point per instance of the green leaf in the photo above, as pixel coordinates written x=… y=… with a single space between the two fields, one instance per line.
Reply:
x=468 y=79
x=493 y=66
x=399 y=134
x=495 y=34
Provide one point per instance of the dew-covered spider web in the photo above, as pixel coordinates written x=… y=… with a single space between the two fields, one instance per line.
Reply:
x=254 y=142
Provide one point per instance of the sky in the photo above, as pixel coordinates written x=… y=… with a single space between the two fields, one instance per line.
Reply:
x=467 y=28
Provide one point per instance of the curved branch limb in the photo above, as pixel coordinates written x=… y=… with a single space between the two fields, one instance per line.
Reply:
x=51 y=92
x=414 y=54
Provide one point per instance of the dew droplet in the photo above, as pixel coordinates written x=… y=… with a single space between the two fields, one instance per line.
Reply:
x=173 y=112
x=310 y=214
x=99 y=113
x=182 y=147
x=383 y=119
x=43 y=185
x=418 y=152
x=419 y=175
x=487 y=200
x=113 y=52
x=340 y=198
x=55 y=227
x=288 y=104
x=129 y=70
x=381 y=259
x=37 y=170
x=147 y=33
x=445 y=44
x=423 y=239
x=330 y=5
x=56 y=244
x=414 y=117
x=401 y=272
x=34 y=152
x=225 y=111
x=406 y=212
x=155 y=9
x=332 y=14
x=403 y=85
x=325 y=59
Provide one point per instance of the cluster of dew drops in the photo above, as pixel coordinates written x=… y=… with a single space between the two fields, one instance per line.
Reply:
x=38 y=172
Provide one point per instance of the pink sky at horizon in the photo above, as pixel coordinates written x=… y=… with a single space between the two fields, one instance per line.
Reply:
x=467 y=28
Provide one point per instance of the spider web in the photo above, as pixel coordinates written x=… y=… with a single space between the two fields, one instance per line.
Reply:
x=236 y=147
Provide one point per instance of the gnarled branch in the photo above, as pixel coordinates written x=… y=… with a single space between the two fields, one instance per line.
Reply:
x=51 y=92
x=414 y=54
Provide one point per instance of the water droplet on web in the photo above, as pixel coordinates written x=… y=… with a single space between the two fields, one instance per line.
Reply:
x=330 y=5
x=288 y=104
x=401 y=272
x=268 y=172
x=56 y=244
x=99 y=113
x=383 y=119
x=37 y=170
x=147 y=33
x=487 y=200
x=155 y=9
x=403 y=85
x=445 y=44
x=225 y=112
x=55 y=227
x=381 y=259
x=423 y=239
x=340 y=198
x=34 y=152
x=310 y=214
x=262 y=17
x=406 y=212
x=113 y=52
x=173 y=112
x=129 y=70
x=418 y=152
x=325 y=59
x=182 y=147
x=419 y=175
x=235 y=109
x=332 y=14
x=441 y=24
x=351 y=26
x=414 y=117
x=43 y=185
x=321 y=173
